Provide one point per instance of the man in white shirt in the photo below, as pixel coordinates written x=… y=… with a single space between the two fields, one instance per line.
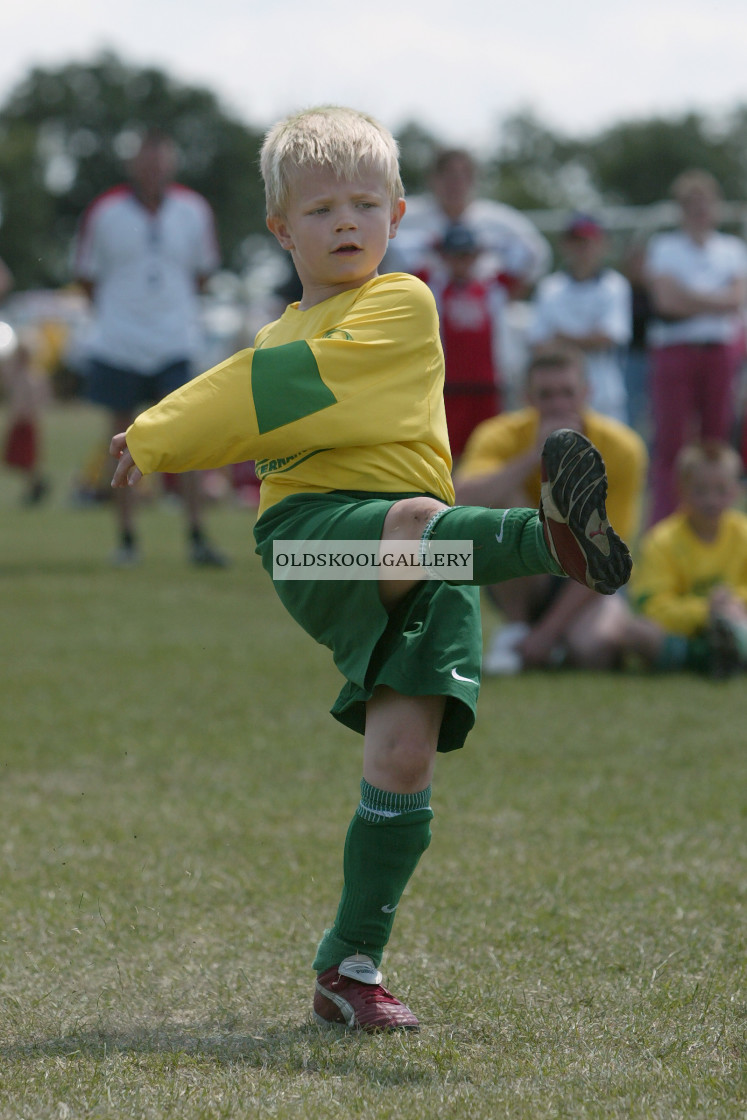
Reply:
x=144 y=252
x=698 y=282
x=511 y=246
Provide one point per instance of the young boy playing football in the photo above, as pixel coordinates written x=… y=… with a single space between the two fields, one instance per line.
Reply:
x=340 y=402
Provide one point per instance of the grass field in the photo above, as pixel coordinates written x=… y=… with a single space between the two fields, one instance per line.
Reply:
x=173 y=800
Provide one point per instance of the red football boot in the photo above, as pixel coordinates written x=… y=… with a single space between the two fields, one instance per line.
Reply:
x=352 y=994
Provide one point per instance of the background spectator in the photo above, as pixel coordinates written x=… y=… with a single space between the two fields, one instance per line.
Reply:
x=24 y=394
x=636 y=363
x=697 y=278
x=144 y=251
x=512 y=246
x=691 y=578
x=589 y=306
x=550 y=619
x=469 y=312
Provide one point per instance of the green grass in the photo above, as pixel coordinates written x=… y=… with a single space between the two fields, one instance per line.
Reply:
x=173 y=801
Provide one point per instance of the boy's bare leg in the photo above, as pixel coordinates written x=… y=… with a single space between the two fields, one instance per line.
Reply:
x=406 y=521
x=569 y=535
x=399 y=747
x=506 y=543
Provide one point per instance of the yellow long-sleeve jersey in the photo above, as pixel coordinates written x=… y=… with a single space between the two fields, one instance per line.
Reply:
x=677 y=571
x=347 y=395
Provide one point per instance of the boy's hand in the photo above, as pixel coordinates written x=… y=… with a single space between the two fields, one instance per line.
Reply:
x=126 y=473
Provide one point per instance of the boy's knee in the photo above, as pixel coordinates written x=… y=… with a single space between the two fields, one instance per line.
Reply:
x=407 y=519
x=407 y=758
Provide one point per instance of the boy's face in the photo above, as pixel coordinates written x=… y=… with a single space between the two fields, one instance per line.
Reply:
x=710 y=490
x=336 y=230
x=583 y=255
x=460 y=266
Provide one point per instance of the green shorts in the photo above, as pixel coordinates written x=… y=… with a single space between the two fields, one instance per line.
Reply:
x=430 y=644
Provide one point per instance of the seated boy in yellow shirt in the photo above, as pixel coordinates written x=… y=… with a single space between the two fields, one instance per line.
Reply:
x=691 y=576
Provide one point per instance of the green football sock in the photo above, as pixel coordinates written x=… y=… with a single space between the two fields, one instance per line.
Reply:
x=506 y=542
x=385 y=840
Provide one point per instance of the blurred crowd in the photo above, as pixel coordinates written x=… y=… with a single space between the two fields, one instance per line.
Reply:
x=652 y=326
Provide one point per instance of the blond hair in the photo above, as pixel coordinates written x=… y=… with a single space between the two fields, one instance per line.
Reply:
x=326 y=136
x=696 y=455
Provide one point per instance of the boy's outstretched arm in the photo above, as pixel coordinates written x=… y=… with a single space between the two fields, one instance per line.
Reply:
x=301 y=396
x=126 y=474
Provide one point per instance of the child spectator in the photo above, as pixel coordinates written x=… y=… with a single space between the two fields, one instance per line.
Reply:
x=469 y=311
x=692 y=575
x=511 y=244
x=24 y=393
x=589 y=306
x=340 y=402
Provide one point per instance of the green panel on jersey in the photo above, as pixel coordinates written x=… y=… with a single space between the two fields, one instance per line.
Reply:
x=287 y=385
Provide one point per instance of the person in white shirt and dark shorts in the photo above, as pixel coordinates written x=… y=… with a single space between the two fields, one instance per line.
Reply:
x=143 y=253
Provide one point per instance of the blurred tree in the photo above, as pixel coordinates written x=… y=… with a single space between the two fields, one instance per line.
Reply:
x=417 y=149
x=635 y=162
x=735 y=132
x=65 y=133
x=631 y=163
x=526 y=170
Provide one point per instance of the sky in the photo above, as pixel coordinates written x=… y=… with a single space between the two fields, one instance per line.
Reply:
x=456 y=68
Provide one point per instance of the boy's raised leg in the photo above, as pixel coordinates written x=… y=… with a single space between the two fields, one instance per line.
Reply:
x=569 y=535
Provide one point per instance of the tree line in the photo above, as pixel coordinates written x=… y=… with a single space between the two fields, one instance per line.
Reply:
x=65 y=132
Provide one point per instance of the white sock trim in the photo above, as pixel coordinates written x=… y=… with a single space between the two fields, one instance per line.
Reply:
x=424 y=552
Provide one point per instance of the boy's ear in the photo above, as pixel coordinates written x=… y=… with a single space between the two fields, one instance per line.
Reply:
x=398 y=211
x=278 y=226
